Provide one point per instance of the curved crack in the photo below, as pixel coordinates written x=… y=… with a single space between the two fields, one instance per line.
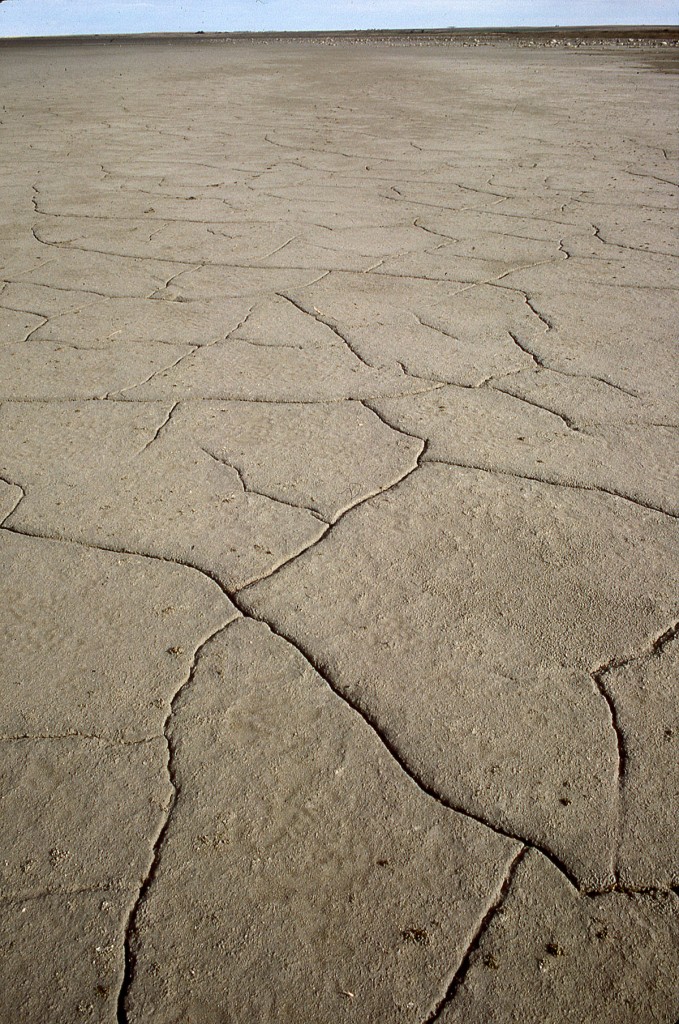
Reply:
x=147 y=881
x=45 y=320
x=160 y=428
x=278 y=248
x=82 y=290
x=335 y=522
x=157 y=293
x=461 y=973
x=632 y=248
x=262 y=494
x=161 y=369
x=112 y=886
x=270 y=344
x=321 y=319
x=549 y=326
x=653 y=177
x=555 y=483
x=437 y=234
x=566 y=420
x=529 y=352
x=599 y=675
x=392 y=426
x=376 y=728
x=241 y=323
x=599 y=678
x=109 y=741
x=69 y=246
x=22 y=495
x=537 y=362
x=187 y=265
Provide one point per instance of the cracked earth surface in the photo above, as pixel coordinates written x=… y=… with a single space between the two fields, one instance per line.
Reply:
x=338 y=544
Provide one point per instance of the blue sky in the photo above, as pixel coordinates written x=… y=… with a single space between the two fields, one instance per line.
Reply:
x=45 y=17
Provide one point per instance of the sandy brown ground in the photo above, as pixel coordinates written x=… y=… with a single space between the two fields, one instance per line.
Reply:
x=338 y=446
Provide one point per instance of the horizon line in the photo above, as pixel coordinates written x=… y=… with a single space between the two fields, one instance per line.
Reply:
x=609 y=26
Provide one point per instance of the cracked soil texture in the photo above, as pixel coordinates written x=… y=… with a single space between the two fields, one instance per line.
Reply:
x=338 y=536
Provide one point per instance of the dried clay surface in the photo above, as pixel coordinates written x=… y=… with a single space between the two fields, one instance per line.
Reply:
x=338 y=535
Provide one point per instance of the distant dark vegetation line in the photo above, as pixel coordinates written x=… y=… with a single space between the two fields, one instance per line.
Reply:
x=585 y=33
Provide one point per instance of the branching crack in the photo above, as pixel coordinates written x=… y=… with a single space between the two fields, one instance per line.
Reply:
x=332 y=524
x=602 y=677
x=69 y=245
x=238 y=599
x=29 y=312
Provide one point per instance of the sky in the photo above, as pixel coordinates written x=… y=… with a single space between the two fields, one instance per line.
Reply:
x=55 y=17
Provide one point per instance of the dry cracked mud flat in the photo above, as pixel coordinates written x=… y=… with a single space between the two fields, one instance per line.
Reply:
x=338 y=458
